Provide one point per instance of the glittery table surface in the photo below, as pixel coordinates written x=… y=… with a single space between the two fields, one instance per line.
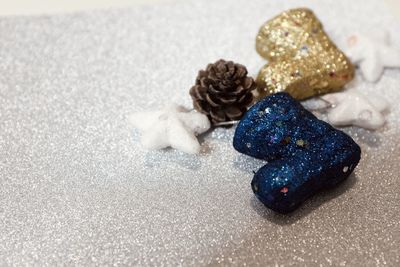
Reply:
x=76 y=188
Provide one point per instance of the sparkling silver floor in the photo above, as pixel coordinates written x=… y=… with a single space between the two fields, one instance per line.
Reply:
x=76 y=188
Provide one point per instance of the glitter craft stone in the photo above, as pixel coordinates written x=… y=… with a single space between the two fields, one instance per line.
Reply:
x=303 y=61
x=304 y=154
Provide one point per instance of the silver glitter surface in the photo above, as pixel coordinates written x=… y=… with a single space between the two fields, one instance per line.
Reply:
x=76 y=188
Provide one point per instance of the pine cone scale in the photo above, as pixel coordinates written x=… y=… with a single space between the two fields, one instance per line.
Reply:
x=228 y=101
x=217 y=116
x=202 y=107
x=234 y=113
x=248 y=83
x=198 y=92
x=211 y=101
x=246 y=100
x=213 y=90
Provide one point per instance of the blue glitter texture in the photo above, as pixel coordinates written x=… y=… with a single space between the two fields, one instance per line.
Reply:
x=304 y=154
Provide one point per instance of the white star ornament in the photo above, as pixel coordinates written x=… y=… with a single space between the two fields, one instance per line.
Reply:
x=353 y=108
x=372 y=54
x=174 y=126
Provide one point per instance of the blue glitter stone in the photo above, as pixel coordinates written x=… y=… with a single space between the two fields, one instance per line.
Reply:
x=304 y=154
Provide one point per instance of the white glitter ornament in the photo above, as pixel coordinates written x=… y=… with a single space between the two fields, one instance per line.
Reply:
x=353 y=108
x=174 y=126
x=372 y=54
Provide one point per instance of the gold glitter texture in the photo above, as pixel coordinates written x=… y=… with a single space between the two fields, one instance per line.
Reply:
x=303 y=61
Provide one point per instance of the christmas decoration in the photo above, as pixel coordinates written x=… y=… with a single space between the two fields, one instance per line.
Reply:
x=304 y=154
x=303 y=61
x=223 y=91
x=174 y=126
x=353 y=108
x=372 y=54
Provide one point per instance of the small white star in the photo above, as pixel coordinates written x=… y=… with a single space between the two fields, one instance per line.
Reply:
x=353 y=108
x=174 y=126
x=372 y=54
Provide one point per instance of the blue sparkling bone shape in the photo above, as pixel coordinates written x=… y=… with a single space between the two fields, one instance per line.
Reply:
x=303 y=154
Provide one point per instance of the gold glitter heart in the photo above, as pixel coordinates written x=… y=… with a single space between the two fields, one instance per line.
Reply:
x=303 y=61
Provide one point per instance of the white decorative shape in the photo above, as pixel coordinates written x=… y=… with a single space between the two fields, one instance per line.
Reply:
x=174 y=126
x=372 y=54
x=353 y=108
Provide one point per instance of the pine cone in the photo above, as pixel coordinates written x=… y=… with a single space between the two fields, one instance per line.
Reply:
x=223 y=91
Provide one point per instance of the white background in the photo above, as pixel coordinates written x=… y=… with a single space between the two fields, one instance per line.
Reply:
x=27 y=7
